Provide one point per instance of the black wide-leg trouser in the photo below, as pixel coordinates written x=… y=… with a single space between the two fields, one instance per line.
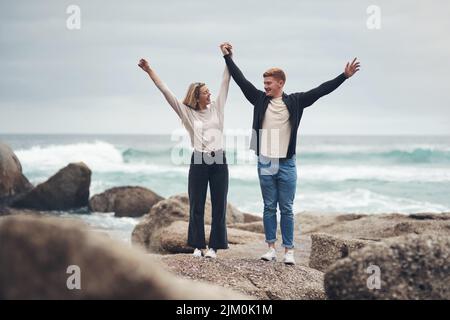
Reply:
x=213 y=169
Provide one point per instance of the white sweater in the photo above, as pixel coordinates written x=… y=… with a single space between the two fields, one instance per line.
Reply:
x=205 y=127
x=276 y=130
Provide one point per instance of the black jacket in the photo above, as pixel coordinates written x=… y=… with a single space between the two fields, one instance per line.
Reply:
x=295 y=103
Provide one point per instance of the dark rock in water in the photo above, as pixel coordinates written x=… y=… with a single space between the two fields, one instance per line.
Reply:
x=327 y=249
x=407 y=267
x=50 y=258
x=12 y=181
x=259 y=279
x=125 y=201
x=67 y=189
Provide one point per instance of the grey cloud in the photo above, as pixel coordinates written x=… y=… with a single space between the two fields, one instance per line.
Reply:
x=48 y=68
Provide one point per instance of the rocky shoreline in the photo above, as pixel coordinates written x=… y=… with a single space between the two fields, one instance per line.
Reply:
x=339 y=256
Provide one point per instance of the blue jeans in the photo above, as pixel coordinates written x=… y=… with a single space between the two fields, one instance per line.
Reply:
x=278 y=181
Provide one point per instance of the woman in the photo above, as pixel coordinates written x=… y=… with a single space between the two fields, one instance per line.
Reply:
x=203 y=120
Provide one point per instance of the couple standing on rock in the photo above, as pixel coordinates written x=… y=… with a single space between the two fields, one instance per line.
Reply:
x=276 y=119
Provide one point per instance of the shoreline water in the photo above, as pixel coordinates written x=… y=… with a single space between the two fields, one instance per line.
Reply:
x=336 y=174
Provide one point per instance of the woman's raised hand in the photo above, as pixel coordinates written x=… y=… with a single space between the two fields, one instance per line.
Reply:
x=226 y=48
x=143 y=64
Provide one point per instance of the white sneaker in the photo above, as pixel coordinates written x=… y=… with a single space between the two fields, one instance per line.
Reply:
x=197 y=253
x=211 y=254
x=289 y=257
x=270 y=255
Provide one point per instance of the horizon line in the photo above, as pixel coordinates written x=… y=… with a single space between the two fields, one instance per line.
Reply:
x=166 y=134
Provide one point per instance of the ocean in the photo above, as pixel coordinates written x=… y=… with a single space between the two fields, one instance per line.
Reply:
x=336 y=174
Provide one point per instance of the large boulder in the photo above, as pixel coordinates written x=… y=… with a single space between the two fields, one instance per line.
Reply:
x=4 y=211
x=67 y=189
x=173 y=238
x=248 y=217
x=259 y=279
x=125 y=201
x=256 y=226
x=233 y=214
x=375 y=226
x=163 y=214
x=7 y=211
x=327 y=249
x=40 y=258
x=12 y=180
x=408 y=267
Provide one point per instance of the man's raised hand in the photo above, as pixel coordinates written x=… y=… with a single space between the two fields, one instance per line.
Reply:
x=351 y=69
x=226 y=48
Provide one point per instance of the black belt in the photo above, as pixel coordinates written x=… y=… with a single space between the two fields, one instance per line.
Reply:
x=211 y=154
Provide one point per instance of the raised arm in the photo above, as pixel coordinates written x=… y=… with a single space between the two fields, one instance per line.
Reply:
x=309 y=97
x=170 y=97
x=247 y=88
x=223 y=91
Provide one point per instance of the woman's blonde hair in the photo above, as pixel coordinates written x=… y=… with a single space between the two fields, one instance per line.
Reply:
x=193 y=94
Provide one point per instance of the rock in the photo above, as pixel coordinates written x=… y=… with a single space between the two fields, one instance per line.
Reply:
x=233 y=214
x=173 y=238
x=251 y=218
x=259 y=279
x=12 y=180
x=349 y=217
x=373 y=227
x=411 y=267
x=67 y=189
x=403 y=228
x=256 y=226
x=161 y=215
x=430 y=216
x=36 y=253
x=327 y=249
x=4 y=211
x=125 y=201
x=164 y=213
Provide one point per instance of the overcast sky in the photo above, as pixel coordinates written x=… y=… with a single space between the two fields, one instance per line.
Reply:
x=57 y=80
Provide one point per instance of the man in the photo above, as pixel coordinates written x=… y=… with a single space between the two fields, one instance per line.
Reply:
x=276 y=119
